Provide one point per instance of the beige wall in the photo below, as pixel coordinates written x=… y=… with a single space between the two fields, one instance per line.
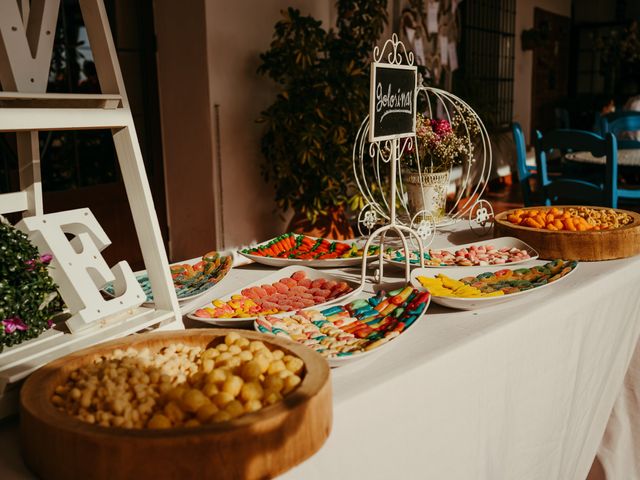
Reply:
x=237 y=32
x=210 y=99
x=211 y=96
x=524 y=60
x=186 y=127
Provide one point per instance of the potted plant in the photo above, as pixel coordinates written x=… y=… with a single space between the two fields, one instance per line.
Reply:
x=323 y=78
x=440 y=144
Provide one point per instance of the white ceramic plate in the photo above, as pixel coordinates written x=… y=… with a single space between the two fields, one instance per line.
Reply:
x=272 y=278
x=500 y=242
x=339 y=361
x=477 y=302
x=329 y=263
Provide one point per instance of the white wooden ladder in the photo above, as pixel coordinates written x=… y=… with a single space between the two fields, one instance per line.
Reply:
x=27 y=31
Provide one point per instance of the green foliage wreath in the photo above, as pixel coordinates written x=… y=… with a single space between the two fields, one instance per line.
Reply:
x=28 y=295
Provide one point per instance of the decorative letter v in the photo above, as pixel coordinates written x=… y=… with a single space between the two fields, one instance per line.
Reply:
x=25 y=53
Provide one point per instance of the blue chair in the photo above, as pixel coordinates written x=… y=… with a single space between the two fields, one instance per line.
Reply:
x=565 y=187
x=618 y=122
x=525 y=172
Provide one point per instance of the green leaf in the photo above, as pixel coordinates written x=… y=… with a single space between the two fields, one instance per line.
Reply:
x=311 y=126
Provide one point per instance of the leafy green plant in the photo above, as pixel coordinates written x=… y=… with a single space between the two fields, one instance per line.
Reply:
x=324 y=93
x=28 y=295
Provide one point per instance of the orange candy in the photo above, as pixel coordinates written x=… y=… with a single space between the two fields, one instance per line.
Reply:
x=553 y=219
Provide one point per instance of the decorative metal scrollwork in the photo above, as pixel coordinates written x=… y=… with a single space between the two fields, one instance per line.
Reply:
x=481 y=217
x=396 y=52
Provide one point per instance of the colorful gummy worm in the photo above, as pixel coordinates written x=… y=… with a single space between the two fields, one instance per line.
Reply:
x=189 y=280
x=501 y=282
x=361 y=325
x=210 y=269
x=285 y=295
x=475 y=255
x=302 y=247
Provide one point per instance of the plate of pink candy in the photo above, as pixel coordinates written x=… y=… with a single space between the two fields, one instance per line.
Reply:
x=499 y=251
x=289 y=289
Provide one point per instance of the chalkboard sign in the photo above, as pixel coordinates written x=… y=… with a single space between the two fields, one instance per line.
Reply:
x=392 y=112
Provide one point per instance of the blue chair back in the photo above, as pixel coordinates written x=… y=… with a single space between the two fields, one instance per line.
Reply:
x=525 y=173
x=619 y=122
x=574 y=188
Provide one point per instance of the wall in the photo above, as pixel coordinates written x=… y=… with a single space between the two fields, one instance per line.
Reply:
x=183 y=82
x=211 y=97
x=524 y=60
x=237 y=32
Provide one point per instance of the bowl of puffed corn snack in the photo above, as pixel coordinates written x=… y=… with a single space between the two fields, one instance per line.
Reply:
x=232 y=403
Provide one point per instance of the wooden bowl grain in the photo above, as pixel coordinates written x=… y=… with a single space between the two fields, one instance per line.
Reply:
x=255 y=446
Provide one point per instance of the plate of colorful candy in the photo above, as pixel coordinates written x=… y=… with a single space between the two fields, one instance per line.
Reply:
x=478 y=287
x=499 y=251
x=287 y=290
x=189 y=279
x=349 y=332
x=296 y=249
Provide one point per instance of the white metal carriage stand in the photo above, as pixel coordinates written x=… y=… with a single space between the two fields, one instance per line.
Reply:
x=395 y=54
x=439 y=103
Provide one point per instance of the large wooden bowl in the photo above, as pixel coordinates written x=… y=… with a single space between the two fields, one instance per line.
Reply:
x=255 y=446
x=586 y=246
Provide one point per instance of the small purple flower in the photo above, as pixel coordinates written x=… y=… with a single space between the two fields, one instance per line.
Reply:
x=44 y=259
x=14 y=323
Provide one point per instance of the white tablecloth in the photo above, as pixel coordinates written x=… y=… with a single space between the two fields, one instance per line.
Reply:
x=619 y=452
x=518 y=391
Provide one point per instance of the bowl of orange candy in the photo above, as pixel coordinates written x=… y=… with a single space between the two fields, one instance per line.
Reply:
x=573 y=219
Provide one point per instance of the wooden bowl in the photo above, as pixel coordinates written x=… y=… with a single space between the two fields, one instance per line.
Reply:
x=586 y=246
x=255 y=446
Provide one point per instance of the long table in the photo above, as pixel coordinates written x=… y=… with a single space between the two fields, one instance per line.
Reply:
x=522 y=390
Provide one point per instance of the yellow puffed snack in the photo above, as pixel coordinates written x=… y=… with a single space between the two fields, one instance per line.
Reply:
x=179 y=386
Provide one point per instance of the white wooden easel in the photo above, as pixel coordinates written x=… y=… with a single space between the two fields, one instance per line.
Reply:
x=27 y=30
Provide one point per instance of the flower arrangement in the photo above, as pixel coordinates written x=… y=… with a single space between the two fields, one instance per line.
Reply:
x=28 y=295
x=442 y=144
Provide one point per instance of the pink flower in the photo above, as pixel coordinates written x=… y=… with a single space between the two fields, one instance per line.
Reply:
x=45 y=259
x=14 y=323
x=441 y=127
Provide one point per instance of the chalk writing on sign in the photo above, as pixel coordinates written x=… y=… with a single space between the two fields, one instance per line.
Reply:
x=389 y=102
